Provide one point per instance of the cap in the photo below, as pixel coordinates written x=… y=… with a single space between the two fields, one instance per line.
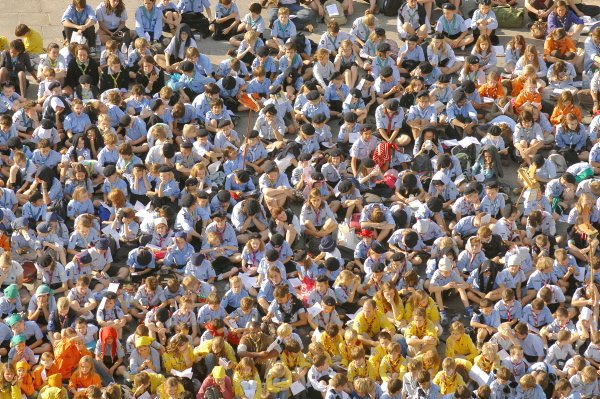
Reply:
x=224 y=196
x=43 y=227
x=276 y=239
x=15 y=318
x=317 y=176
x=345 y=186
x=44 y=289
x=377 y=268
x=262 y=51
x=253 y=134
x=367 y=232
x=165 y=169
x=47 y=124
x=53 y=85
x=85 y=257
x=187 y=200
x=327 y=244
x=102 y=243
x=223 y=122
x=448 y=6
x=319 y=118
x=386 y=71
x=181 y=234
x=308 y=129
x=468 y=86
x=444 y=79
x=186 y=144
x=218 y=372
x=445 y=265
x=55 y=380
x=473 y=59
x=379 y=31
x=191 y=181
x=143 y=341
x=22 y=364
x=377 y=248
x=12 y=291
x=412 y=38
x=17 y=339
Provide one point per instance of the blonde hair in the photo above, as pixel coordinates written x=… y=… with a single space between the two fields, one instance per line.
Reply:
x=284 y=330
x=79 y=193
x=278 y=369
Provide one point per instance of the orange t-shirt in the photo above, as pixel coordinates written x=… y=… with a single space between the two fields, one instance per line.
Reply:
x=492 y=90
x=38 y=379
x=78 y=381
x=560 y=112
x=525 y=96
x=563 y=46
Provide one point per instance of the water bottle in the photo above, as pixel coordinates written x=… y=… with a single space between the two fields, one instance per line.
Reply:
x=124 y=49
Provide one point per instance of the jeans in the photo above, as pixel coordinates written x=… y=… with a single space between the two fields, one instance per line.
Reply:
x=304 y=16
x=103 y=373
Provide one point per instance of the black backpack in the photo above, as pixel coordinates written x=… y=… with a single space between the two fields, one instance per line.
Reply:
x=391 y=7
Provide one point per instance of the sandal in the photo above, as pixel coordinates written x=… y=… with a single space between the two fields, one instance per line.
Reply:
x=309 y=28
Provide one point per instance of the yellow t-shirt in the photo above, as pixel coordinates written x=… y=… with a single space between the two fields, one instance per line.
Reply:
x=34 y=44
x=389 y=367
x=372 y=326
x=462 y=346
x=3 y=43
x=448 y=385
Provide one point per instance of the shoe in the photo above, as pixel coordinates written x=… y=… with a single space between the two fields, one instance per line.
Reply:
x=444 y=318
x=455 y=318
x=469 y=312
x=462 y=48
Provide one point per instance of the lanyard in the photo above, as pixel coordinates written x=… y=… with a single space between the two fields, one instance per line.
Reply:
x=332 y=41
x=82 y=67
x=450 y=26
x=115 y=80
x=284 y=30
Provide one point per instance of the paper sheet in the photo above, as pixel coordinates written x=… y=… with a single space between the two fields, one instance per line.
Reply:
x=187 y=373
x=328 y=145
x=274 y=346
x=352 y=137
x=248 y=281
x=332 y=10
x=295 y=282
x=478 y=375
x=78 y=38
x=467 y=141
x=223 y=362
x=109 y=231
x=533 y=329
x=113 y=287
x=297 y=387
x=316 y=334
x=145 y=395
x=138 y=206
x=214 y=167
x=488 y=100
x=315 y=309
x=233 y=323
x=499 y=51
x=459 y=58
x=450 y=143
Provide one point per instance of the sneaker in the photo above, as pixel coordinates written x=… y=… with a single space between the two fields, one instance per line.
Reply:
x=469 y=312
x=444 y=318
x=455 y=318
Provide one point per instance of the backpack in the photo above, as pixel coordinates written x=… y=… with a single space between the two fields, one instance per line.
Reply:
x=559 y=162
x=334 y=12
x=390 y=7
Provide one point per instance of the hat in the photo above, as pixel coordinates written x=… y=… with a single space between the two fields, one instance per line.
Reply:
x=422 y=225
x=377 y=248
x=271 y=167
x=271 y=254
x=202 y=195
x=102 y=243
x=158 y=221
x=186 y=66
x=55 y=380
x=191 y=181
x=469 y=86
x=412 y=38
x=458 y=96
x=317 y=176
x=448 y=6
x=379 y=31
x=336 y=152
x=43 y=227
x=20 y=223
x=17 y=339
x=492 y=184
x=11 y=292
x=319 y=118
x=392 y=105
x=165 y=169
x=367 y=232
x=253 y=134
x=218 y=372
x=143 y=341
x=312 y=95
x=327 y=244
x=262 y=51
x=472 y=59
x=109 y=170
x=202 y=133
x=270 y=109
x=445 y=265
x=223 y=122
x=513 y=260
x=383 y=47
x=181 y=234
x=53 y=85
x=22 y=364
x=356 y=93
x=378 y=268
x=85 y=257
x=43 y=290
x=345 y=186
x=14 y=318
x=308 y=129
x=485 y=267
x=186 y=144
x=304 y=156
